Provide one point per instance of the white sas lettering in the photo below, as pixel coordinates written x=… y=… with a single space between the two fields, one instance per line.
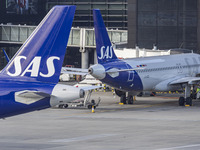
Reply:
x=33 y=67
x=108 y=52
x=18 y=68
x=50 y=67
x=35 y=63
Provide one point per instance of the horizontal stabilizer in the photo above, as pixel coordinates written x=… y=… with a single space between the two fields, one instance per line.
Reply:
x=29 y=97
x=88 y=88
x=123 y=70
x=76 y=71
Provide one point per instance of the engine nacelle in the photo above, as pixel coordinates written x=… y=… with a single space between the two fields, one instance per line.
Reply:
x=62 y=94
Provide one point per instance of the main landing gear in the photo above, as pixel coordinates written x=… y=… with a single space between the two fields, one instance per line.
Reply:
x=187 y=100
x=126 y=100
x=125 y=97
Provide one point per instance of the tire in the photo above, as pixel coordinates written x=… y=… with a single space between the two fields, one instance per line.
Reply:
x=65 y=106
x=61 y=106
x=181 y=101
x=140 y=94
x=153 y=94
x=130 y=100
x=188 y=101
x=193 y=96
x=119 y=93
x=89 y=106
x=123 y=99
x=93 y=102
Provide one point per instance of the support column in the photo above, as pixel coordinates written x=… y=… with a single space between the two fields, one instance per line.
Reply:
x=187 y=91
x=198 y=26
x=95 y=57
x=132 y=23
x=84 y=59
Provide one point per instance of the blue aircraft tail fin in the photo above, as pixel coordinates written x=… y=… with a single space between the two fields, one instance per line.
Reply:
x=104 y=48
x=7 y=58
x=40 y=58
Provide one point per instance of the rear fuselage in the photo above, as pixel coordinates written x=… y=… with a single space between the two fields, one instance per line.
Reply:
x=8 y=104
x=18 y=96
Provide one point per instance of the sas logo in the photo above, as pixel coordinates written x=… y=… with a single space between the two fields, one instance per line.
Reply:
x=33 y=67
x=106 y=52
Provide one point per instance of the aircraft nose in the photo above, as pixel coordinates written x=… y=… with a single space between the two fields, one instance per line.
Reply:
x=97 y=71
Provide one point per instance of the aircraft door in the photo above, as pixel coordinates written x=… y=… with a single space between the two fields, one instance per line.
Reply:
x=192 y=66
x=130 y=73
x=195 y=66
x=187 y=61
x=180 y=68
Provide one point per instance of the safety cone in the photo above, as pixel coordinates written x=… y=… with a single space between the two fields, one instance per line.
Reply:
x=92 y=109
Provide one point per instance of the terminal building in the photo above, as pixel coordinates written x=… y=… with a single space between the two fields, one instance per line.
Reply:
x=165 y=24
x=28 y=13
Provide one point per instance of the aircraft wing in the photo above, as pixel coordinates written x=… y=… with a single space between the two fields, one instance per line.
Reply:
x=87 y=88
x=189 y=80
x=77 y=71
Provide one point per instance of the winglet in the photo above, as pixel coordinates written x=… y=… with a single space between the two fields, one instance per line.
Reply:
x=41 y=56
x=104 y=48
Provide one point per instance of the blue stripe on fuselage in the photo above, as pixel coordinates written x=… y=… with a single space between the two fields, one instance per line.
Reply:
x=124 y=81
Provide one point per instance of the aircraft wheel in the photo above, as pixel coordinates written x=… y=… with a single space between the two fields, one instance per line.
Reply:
x=123 y=99
x=181 y=101
x=130 y=99
x=93 y=102
x=153 y=94
x=193 y=96
x=60 y=106
x=89 y=106
x=65 y=106
x=188 y=101
x=140 y=94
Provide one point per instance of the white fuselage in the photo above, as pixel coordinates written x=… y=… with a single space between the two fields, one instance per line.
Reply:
x=161 y=68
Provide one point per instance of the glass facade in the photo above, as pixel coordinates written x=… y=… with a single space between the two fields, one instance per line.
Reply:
x=114 y=12
x=32 y=12
x=167 y=24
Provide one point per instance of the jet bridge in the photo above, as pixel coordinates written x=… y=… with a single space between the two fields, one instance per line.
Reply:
x=84 y=38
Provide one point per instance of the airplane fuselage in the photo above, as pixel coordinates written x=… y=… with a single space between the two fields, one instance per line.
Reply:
x=151 y=72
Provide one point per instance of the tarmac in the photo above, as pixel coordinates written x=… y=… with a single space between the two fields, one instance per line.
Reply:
x=151 y=123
